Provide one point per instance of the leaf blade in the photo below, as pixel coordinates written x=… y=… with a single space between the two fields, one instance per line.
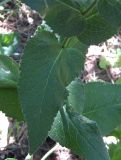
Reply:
x=9 y=72
x=9 y=103
x=79 y=134
x=42 y=82
x=96 y=30
x=111 y=11
x=98 y=101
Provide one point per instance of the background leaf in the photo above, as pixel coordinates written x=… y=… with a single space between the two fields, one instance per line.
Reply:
x=111 y=11
x=9 y=74
x=9 y=71
x=96 y=30
x=65 y=19
x=9 y=103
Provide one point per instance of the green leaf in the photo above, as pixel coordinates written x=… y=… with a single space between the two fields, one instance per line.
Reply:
x=104 y=63
x=76 y=96
x=65 y=19
x=46 y=69
x=9 y=72
x=79 y=134
x=9 y=103
x=117 y=132
x=118 y=81
x=7 y=39
x=99 y=101
x=111 y=11
x=96 y=30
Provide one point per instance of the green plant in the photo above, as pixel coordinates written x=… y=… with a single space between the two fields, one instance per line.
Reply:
x=8 y=43
x=114 y=61
x=53 y=99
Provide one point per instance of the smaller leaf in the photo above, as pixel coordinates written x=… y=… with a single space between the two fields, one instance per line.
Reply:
x=8 y=43
x=98 y=101
x=7 y=39
x=104 y=63
x=79 y=134
x=113 y=61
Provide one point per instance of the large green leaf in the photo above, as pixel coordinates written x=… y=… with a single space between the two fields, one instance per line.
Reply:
x=96 y=30
x=9 y=103
x=9 y=72
x=111 y=11
x=46 y=69
x=79 y=134
x=98 y=101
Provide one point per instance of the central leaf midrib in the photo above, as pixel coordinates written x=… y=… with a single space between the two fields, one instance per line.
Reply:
x=49 y=75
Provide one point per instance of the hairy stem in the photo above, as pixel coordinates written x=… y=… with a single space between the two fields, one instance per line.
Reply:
x=65 y=42
x=50 y=152
x=90 y=8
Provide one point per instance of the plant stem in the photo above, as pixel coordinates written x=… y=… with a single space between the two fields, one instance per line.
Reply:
x=50 y=152
x=65 y=42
